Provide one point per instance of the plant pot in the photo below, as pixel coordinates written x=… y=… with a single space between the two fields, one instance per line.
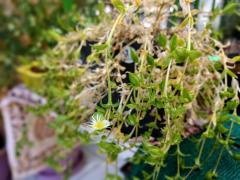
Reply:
x=32 y=75
x=4 y=165
x=76 y=158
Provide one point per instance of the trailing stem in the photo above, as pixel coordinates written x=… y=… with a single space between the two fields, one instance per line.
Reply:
x=190 y=24
x=167 y=78
x=227 y=141
x=109 y=45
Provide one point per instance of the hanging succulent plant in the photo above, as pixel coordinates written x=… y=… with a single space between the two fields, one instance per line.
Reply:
x=142 y=84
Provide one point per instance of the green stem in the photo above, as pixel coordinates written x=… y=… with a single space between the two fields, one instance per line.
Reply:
x=178 y=161
x=189 y=27
x=167 y=78
x=109 y=43
x=202 y=146
x=109 y=86
x=116 y=167
x=221 y=152
x=143 y=57
x=198 y=159
x=118 y=20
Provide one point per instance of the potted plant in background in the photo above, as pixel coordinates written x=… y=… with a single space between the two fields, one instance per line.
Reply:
x=32 y=27
x=152 y=95
x=30 y=140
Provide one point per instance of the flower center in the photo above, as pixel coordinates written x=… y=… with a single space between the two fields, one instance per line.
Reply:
x=99 y=125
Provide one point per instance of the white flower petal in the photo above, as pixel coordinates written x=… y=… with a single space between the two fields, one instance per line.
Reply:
x=98 y=123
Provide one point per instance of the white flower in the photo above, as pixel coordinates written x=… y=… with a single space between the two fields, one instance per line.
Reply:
x=108 y=9
x=97 y=12
x=98 y=122
x=147 y=24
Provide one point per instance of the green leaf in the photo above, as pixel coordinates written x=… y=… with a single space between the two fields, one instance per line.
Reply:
x=134 y=79
x=187 y=95
x=173 y=42
x=119 y=5
x=166 y=61
x=112 y=177
x=236 y=156
x=150 y=59
x=232 y=74
x=84 y=137
x=99 y=47
x=162 y=40
x=55 y=164
x=113 y=84
x=181 y=55
x=132 y=106
x=134 y=55
x=68 y=4
x=98 y=116
x=229 y=93
x=209 y=134
x=111 y=149
x=184 y=23
x=152 y=125
x=194 y=54
x=230 y=8
x=231 y=105
x=132 y=119
x=211 y=175
x=236 y=59
x=221 y=128
x=181 y=42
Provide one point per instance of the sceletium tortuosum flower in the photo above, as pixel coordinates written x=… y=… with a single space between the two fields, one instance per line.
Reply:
x=98 y=122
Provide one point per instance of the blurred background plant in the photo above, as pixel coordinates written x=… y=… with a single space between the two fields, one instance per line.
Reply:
x=31 y=27
x=231 y=21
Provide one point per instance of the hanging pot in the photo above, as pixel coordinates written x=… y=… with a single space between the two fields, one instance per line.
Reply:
x=32 y=75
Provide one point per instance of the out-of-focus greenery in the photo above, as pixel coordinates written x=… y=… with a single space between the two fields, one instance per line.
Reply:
x=231 y=20
x=30 y=27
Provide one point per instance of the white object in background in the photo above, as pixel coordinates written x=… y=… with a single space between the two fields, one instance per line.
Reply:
x=95 y=167
x=164 y=22
x=206 y=6
x=203 y=18
x=97 y=162
x=149 y=11
x=127 y=56
x=217 y=21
